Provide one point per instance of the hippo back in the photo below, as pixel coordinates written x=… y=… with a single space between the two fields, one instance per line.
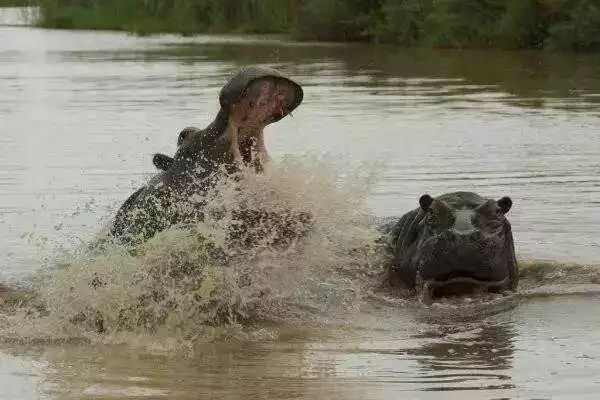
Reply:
x=165 y=199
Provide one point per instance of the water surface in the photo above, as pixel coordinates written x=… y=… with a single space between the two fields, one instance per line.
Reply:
x=82 y=112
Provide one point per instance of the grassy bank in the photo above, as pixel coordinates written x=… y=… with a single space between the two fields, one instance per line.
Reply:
x=177 y=16
x=511 y=24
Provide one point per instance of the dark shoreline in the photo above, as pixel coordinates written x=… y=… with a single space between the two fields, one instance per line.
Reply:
x=494 y=24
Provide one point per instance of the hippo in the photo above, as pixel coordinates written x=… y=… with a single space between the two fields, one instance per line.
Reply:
x=252 y=99
x=452 y=244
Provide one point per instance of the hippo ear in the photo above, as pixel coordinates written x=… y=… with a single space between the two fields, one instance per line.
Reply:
x=425 y=202
x=505 y=204
x=162 y=161
x=184 y=134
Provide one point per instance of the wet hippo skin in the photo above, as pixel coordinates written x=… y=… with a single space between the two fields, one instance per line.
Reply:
x=252 y=99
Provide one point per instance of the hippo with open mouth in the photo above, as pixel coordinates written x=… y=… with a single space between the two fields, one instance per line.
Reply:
x=452 y=244
x=252 y=99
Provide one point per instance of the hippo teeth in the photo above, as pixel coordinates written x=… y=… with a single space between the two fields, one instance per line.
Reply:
x=425 y=293
x=235 y=145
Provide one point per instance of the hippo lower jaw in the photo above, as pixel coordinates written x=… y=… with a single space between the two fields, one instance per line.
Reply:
x=427 y=290
x=247 y=145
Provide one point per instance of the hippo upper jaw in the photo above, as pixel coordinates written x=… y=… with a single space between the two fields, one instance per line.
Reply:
x=266 y=91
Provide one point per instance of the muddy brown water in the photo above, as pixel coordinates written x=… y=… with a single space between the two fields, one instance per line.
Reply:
x=82 y=112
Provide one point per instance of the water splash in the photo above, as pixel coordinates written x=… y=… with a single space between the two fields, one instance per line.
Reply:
x=198 y=282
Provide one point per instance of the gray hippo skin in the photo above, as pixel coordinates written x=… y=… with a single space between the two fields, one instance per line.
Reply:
x=452 y=244
x=250 y=100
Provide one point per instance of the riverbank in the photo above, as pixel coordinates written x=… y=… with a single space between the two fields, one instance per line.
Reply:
x=506 y=24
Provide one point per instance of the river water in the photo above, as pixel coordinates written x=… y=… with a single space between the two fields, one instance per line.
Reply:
x=82 y=112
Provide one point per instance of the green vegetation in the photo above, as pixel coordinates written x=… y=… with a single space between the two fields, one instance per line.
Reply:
x=555 y=24
x=155 y=16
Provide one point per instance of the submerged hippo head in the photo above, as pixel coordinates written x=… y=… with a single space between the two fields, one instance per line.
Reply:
x=453 y=243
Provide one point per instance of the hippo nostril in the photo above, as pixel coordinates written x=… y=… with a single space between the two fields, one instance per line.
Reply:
x=446 y=235
x=465 y=232
x=461 y=237
x=476 y=236
x=469 y=235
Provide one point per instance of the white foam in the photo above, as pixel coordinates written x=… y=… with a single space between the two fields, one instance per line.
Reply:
x=100 y=390
x=173 y=289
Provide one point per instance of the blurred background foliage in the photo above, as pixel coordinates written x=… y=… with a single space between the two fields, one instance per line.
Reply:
x=510 y=24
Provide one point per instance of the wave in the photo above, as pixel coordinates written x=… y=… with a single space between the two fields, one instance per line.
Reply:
x=545 y=278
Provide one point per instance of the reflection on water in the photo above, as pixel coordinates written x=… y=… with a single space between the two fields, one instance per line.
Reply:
x=476 y=359
x=511 y=355
x=81 y=113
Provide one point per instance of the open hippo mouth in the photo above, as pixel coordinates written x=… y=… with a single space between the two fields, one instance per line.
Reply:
x=264 y=101
x=255 y=98
x=454 y=244
x=252 y=99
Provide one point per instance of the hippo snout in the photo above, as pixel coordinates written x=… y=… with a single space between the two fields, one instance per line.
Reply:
x=460 y=238
x=453 y=254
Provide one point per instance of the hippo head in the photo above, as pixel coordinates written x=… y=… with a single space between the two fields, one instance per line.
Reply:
x=250 y=100
x=454 y=243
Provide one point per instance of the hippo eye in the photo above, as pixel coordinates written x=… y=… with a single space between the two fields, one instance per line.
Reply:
x=251 y=103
